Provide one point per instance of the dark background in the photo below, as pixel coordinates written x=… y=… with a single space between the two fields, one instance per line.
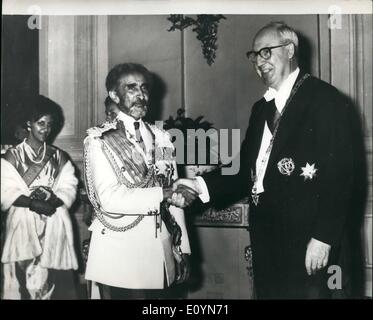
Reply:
x=20 y=71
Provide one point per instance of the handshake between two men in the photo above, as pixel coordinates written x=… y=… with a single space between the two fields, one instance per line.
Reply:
x=182 y=193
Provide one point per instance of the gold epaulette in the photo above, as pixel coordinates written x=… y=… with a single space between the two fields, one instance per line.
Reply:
x=103 y=128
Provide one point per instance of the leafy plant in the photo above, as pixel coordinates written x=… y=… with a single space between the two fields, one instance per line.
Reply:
x=183 y=123
x=206 y=27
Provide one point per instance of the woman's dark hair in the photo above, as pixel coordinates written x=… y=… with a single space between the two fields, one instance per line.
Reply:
x=39 y=106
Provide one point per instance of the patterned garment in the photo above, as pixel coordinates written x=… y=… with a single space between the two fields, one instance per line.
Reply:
x=36 y=243
x=130 y=246
x=24 y=154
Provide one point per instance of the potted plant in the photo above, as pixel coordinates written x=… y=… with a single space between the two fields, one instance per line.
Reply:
x=191 y=164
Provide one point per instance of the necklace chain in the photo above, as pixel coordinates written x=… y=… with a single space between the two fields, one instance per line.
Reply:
x=42 y=158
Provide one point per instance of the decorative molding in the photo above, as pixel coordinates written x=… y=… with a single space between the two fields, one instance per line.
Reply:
x=236 y=215
x=100 y=66
x=84 y=83
x=88 y=64
x=61 y=69
x=353 y=58
x=346 y=62
x=56 y=67
x=43 y=57
x=324 y=44
x=356 y=61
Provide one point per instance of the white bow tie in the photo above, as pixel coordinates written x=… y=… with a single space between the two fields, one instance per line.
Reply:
x=270 y=94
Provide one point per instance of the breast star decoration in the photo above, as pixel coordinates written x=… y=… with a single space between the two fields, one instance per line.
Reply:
x=309 y=171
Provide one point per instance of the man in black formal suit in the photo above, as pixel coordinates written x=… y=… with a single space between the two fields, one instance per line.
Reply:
x=297 y=166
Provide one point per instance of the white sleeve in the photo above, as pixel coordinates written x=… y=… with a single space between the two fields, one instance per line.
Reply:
x=113 y=196
x=204 y=196
x=67 y=184
x=12 y=185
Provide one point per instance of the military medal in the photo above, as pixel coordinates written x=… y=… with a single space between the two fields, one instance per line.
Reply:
x=255 y=196
x=286 y=166
x=50 y=181
x=309 y=171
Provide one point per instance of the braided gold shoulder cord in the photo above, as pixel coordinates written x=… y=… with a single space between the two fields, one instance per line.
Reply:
x=99 y=212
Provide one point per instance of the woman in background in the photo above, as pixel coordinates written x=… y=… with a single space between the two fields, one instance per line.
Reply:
x=38 y=186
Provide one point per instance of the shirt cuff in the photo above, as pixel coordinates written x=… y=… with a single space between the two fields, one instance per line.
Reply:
x=204 y=195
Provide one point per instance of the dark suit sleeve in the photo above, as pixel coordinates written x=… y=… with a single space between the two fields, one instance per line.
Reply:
x=233 y=187
x=334 y=148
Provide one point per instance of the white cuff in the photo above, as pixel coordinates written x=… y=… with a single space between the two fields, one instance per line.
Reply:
x=204 y=196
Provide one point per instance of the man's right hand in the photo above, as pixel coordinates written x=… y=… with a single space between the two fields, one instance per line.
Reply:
x=174 y=198
x=182 y=193
x=185 y=192
x=42 y=207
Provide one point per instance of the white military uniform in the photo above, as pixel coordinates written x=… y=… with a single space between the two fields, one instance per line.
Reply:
x=139 y=257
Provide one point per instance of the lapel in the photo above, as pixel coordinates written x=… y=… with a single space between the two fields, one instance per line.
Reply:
x=290 y=120
x=255 y=136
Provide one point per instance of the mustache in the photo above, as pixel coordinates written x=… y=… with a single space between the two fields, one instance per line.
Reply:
x=139 y=103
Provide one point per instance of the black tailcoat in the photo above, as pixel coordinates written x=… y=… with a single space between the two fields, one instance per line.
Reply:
x=315 y=128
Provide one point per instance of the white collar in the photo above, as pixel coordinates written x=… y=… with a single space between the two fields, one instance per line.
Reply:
x=128 y=121
x=283 y=93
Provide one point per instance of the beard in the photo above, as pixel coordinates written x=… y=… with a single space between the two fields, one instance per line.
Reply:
x=138 y=109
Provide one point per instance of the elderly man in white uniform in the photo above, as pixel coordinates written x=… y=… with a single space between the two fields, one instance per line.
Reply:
x=139 y=242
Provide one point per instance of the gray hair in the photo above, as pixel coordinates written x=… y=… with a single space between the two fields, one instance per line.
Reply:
x=285 y=32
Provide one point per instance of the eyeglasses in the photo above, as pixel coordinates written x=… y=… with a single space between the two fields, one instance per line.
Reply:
x=265 y=52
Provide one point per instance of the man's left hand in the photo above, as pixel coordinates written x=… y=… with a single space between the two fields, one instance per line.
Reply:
x=317 y=256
